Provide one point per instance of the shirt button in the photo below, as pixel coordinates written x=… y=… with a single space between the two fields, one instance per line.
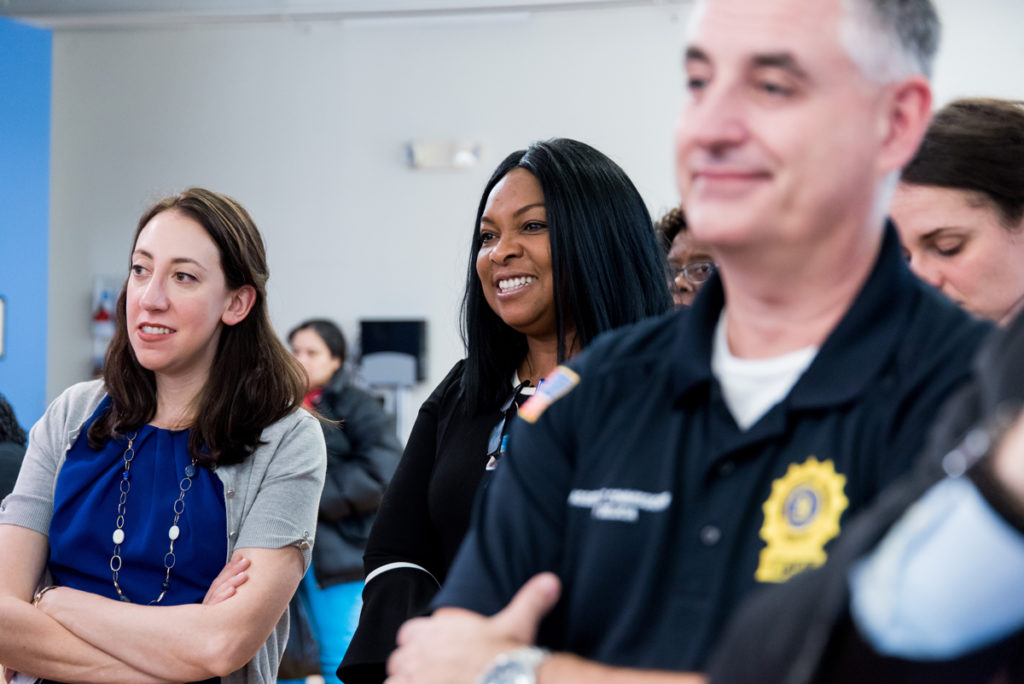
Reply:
x=233 y=534
x=230 y=493
x=709 y=535
x=727 y=469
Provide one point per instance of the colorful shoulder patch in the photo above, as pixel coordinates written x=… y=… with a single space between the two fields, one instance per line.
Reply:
x=556 y=385
x=800 y=516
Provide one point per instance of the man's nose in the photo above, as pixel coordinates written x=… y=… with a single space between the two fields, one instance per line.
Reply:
x=715 y=120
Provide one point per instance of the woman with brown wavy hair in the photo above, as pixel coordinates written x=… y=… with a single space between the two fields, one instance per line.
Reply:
x=959 y=206
x=169 y=505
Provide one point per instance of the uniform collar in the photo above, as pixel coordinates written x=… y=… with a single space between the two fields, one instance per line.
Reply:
x=695 y=328
x=851 y=356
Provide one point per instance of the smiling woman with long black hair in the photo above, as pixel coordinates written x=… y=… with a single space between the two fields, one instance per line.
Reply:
x=562 y=249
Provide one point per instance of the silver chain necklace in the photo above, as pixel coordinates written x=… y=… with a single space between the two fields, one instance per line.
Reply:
x=125 y=485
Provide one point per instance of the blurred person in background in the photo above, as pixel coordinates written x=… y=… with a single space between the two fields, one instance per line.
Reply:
x=12 y=447
x=362 y=452
x=690 y=262
x=959 y=206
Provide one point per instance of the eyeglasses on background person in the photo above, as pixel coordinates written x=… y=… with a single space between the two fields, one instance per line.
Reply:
x=696 y=273
x=689 y=261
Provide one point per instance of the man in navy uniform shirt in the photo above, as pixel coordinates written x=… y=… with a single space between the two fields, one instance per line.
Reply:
x=674 y=466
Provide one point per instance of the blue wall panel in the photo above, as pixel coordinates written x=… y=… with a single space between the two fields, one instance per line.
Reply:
x=25 y=68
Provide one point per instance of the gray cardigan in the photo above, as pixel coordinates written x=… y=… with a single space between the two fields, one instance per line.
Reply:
x=270 y=499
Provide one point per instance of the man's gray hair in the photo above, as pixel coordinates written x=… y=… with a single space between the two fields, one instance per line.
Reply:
x=891 y=39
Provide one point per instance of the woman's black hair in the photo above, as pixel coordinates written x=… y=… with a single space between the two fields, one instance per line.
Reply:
x=10 y=430
x=328 y=331
x=976 y=145
x=605 y=259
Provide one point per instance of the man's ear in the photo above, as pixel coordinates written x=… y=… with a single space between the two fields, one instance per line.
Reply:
x=241 y=303
x=904 y=118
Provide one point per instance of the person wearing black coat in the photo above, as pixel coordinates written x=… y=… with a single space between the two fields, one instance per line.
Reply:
x=362 y=453
x=12 y=447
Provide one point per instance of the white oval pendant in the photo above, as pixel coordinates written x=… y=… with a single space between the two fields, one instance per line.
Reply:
x=173 y=533
x=118 y=536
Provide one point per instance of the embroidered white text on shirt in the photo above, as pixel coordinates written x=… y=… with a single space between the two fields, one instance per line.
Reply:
x=619 y=504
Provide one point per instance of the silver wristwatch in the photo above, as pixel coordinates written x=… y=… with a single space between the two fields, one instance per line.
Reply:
x=518 y=666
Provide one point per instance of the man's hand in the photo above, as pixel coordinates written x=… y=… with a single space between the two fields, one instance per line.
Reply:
x=1009 y=459
x=455 y=646
x=227 y=582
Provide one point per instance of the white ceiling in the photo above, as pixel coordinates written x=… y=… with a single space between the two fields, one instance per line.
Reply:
x=64 y=14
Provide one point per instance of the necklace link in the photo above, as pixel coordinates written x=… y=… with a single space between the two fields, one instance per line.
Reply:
x=178 y=508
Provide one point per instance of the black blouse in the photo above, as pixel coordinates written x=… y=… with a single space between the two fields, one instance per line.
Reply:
x=422 y=519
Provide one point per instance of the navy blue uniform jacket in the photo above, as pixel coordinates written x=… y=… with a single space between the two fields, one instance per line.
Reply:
x=659 y=514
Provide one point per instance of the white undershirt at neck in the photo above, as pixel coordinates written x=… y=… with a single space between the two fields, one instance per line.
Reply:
x=751 y=387
x=525 y=391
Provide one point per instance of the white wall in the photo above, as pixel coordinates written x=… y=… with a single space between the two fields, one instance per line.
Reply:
x=305 y=124
x=982 y=54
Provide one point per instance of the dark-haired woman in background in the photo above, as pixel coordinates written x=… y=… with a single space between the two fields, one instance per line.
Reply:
x=12 y=447
x=362 y=452
x=138 y=488
x=959 y=206
x=563 y=249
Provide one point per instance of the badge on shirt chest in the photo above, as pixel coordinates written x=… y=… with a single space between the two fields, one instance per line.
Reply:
x=800 y=516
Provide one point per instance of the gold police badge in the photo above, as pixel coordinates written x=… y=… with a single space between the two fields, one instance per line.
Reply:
x=800 y=516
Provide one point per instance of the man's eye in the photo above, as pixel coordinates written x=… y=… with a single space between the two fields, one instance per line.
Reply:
x=695 y=83
x=773 y=88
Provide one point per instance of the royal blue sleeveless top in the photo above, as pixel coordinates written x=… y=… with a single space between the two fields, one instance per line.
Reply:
x=86 y=508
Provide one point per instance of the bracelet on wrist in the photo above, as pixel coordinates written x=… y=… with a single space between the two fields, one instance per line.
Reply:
x=39 y=594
